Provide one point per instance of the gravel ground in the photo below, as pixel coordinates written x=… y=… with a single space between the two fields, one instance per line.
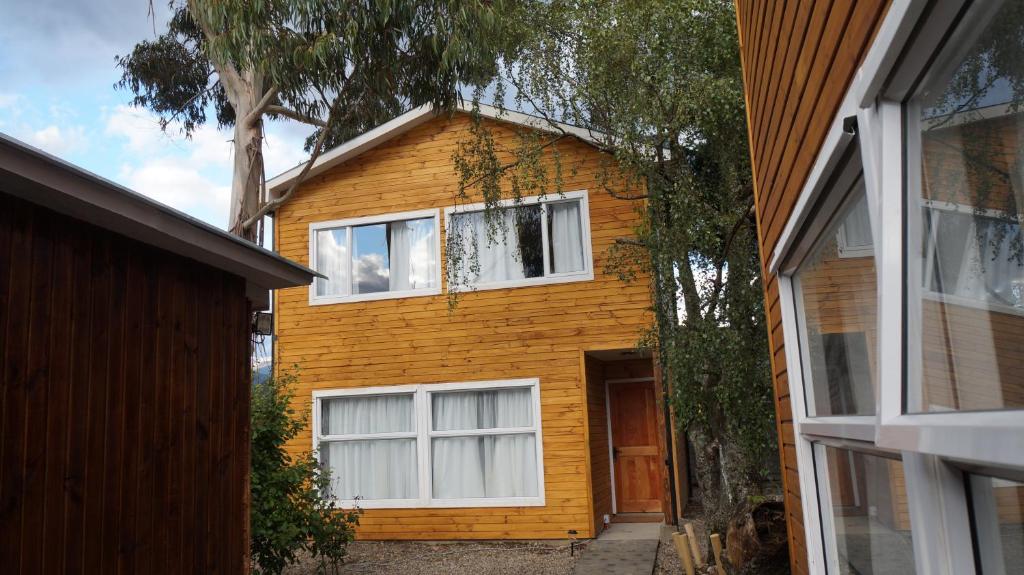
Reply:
x=462 y=558
x=668 y=559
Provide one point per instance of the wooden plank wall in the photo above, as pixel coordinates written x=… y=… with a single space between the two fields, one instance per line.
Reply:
x=600 y=464
x=799 y=57
x=123 y=405
x=496 y=334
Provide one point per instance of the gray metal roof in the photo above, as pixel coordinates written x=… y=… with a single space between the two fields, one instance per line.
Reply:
x=35 y=176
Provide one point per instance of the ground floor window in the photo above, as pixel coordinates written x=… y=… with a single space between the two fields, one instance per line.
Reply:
x=437 y=445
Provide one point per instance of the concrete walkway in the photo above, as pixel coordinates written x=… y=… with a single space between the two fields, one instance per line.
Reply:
x=623 y=549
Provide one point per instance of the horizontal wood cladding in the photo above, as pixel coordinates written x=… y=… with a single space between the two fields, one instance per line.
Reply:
x=521 y=332
x=124 y=404
x=799 y=57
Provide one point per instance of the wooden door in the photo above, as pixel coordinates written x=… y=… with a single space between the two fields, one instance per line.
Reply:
x=634 y=421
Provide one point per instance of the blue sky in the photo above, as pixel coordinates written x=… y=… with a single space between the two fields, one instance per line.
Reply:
x=57 y=75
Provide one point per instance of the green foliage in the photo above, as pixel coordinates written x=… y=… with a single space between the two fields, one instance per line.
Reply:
x=292 y=509
x=658 y=83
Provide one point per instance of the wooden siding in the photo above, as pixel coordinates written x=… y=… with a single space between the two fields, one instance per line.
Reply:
x=494 y=334
x=600 y=464
x=799 y=57
x=123 y=406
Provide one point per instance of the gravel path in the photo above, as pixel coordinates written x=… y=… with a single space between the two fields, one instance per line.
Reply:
x=463 y=558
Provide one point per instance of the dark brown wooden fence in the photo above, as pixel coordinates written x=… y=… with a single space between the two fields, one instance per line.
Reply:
x=123 y=406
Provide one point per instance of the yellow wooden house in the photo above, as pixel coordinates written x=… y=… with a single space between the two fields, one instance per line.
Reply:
x=524 y=412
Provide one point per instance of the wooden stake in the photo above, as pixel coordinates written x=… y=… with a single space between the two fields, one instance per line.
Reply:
x=698 y=557
x=716 y=546
x=683 y=549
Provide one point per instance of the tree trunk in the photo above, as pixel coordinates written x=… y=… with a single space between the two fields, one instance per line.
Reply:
x=247 y=177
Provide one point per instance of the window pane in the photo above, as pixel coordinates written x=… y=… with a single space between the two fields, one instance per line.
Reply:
x=837 y=297
x=370 y=259
x=488 y=409
x=865 y=502
x=968 y=207
x=509 y=247
x=997 y=506
x=332 y=261
x=484 y=466
x=367 y=414
x=413 y=263
x=371 y=469
x=565 y=235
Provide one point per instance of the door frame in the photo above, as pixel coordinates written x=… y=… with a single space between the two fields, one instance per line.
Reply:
x=611 y=440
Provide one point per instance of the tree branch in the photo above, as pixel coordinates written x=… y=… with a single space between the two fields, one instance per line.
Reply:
x=630 y=242
x=317 y=149
x=254 y=116
x=278 y=110
x=510 y=165
x=716 y=289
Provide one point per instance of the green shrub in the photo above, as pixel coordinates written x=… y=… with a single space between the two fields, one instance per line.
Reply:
x=292 y=508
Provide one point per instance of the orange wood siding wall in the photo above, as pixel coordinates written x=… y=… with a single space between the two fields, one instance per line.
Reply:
x=496 y=334
x=124 y=418
x=799 y=57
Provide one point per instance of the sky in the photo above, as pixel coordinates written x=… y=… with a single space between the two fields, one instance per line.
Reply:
x=57 y=76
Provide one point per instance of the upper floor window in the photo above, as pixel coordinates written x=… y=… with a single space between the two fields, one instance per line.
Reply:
x=379 y=257
x=532 y=242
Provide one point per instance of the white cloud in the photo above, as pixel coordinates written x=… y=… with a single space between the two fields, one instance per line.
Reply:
x=181 y=186
x=58 y=141
x=8 y=100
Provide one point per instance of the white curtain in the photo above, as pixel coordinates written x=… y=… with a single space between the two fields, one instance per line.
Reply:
x=372 y=468
x=483 y=466
x=566 y=237
x=990 y=269
x=367 y=414
x=413 y=265
x=332 y=260
x=498 y=260
x=857 y=225
x=488 y=409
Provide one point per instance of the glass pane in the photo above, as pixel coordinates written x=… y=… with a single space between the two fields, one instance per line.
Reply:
x=412 y=255
x=371 y=469
x=837 y=299
x=507 y=247
x=865 y=501
x=484 y=466
x=997 y=506
x=370 y=259
x=565 y=236
x=332 y=261
x=367 y=414
x=968 y=207
x=487 y=409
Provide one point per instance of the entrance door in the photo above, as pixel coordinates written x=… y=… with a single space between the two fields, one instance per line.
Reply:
x=634 y=430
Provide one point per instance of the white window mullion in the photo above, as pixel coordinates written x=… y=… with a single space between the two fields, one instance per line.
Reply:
x=939 y=519
x=423 y=444
x=545 y=240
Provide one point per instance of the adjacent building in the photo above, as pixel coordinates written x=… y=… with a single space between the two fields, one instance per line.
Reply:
x=886 y=141
x=125 y=343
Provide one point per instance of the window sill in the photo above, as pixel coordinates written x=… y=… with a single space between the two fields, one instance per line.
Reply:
x=330 y=300
x=528 y=282
x=441 y=503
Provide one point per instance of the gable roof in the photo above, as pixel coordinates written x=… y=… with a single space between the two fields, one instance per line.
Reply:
x=406 y=122
x=35 y=176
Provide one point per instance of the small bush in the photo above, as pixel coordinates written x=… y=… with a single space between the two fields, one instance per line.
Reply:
x=292 y=506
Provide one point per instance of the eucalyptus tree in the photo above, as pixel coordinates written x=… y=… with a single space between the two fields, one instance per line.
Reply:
x=340 y=66
x=658 y=84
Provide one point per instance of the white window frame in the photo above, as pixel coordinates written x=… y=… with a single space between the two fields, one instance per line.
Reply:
x=586 y=274
x=349 y=223
x=936 y=448
x=423 y=434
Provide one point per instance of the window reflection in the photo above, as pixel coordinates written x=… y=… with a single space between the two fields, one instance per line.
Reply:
x=836 y=290
x=969 y=202
x=997 y=507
